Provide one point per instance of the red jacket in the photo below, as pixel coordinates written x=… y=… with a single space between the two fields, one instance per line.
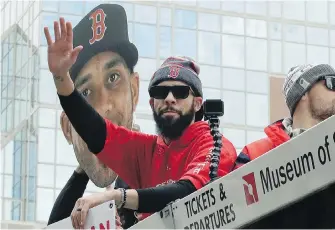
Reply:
x=144 y=161
x=276 y=136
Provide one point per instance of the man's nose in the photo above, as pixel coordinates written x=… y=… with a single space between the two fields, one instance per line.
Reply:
x=104 y=103
x=170 y=99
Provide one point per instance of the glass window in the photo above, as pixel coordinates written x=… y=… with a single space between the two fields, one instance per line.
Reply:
x=209 y=22
x=185 y=43
x=185 y=19
x=295 y=33
x=45 y=175
x=71 y=7
x=232 y=25
x=147 y=126
x=9 y=150
x=317 y=11
x=332 y=38
x=57 y=192
x=47 y=117
x=332 y=56
x=254 y=136
x=210 y=76
x=143 y=102
x=257 y=110
x=275 y=9
x=211 y=94
x=165 y=16
x=9 y=122
x=317 y=54
x=129 y=8
x=256 y=54
x=332 y=12
x=275 y=56
x=234 y=103
x=90 y=5
x=146 y=68
x=130 y=31
x=46 y=145
x=232 y=51
x=48 y=21
x=233 y=79
x=63 y=173
x=44 y=204
x=8 y=186
x=43 y=53
x=47 y=89
x=209 y=47
x=142 y=14
x=73 y=19
x=236 y=136
x=16 y=210
x=317 y=36
x=294 y=10
x=256 y=28
x=65 y=151
x=295 y=54
x=257 y=82
x=25 y=22
x=32 y=158
x=49 y=5
x=187 y=2
x=145 y=39
x=164 y=42
x=256 y=7
x=209 y=4
x=275 y=30
x=235 y=6
x=30 y=214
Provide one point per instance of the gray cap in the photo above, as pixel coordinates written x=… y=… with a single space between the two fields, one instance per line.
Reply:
x=179 y=68
x=300 y=79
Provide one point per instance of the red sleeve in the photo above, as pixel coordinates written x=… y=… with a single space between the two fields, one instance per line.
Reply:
x=128 y=153
x=197 y=170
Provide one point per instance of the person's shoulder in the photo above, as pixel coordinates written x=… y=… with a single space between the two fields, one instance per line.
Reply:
x=258 y=148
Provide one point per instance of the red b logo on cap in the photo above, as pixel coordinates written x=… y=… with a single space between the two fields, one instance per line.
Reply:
x=98 y=25
x=174 y=71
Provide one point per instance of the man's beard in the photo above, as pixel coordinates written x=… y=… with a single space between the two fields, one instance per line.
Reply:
x=170 y=127
x=320 y=110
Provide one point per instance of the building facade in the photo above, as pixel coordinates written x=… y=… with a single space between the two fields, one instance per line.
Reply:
x=244 y=49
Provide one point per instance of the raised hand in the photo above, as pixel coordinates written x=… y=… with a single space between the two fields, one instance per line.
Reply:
x=61 y=55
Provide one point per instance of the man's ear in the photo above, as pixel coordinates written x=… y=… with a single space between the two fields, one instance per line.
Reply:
x=151 y=102
x=197 y=103
x=135 y=84
x=66 y=127
x=304 y=97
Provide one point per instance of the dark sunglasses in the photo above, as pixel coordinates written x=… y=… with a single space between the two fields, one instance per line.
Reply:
x=329 y=82
x=178 y=91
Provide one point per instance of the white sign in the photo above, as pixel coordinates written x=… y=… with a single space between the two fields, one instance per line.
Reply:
x=160 y=220
x=100 y=217
x=284 y=175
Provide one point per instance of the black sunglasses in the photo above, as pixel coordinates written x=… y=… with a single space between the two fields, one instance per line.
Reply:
x=178 y=91
x=329 y=82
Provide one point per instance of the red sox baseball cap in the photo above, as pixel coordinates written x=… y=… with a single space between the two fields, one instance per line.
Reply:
x=104 y=28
